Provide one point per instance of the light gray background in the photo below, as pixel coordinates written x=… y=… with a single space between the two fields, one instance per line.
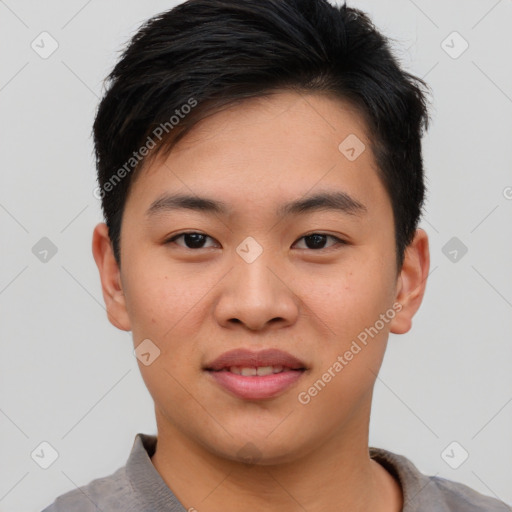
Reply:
x=69 y=378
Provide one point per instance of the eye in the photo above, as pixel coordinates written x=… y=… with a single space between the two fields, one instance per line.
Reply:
x=316 y=241
x=192 y=239
x=196 y=240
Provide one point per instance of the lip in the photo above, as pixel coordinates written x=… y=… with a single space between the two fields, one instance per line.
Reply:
x=247 y=358
x=256 y=387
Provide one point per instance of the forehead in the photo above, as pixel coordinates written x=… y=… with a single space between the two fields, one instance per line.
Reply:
x=265 y=148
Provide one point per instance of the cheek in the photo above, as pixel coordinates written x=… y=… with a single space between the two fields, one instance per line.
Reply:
x=146 y=302
x=162 y=309
x=166 y=304
x=155 y=301
x=351 y=298
x=351 y=353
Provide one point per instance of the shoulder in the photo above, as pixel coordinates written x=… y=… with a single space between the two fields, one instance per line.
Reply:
x=424 y=493
x=113 y=493
x=460 y=497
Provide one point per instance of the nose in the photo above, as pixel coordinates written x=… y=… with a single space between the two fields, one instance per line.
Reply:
x=257 y=295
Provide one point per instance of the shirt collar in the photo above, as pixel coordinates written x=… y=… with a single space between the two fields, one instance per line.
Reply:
x=419 y=490
x=150 y=489
x=154 y=495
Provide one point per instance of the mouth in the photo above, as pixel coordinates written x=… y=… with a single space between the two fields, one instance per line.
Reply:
x=259 y=371
x=256 y=375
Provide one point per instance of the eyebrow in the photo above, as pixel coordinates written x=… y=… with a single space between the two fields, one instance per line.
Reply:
x=322 y=201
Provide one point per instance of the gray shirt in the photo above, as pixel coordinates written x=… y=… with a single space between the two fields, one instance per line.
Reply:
x=138 y=487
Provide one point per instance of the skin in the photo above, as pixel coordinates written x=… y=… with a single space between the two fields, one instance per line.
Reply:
x=197 y=303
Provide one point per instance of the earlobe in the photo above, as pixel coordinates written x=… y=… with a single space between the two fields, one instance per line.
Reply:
x=110 y=276
x=412 y=282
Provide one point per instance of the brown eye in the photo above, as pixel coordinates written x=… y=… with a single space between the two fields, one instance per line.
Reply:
x=317 y=241
x=192 y=240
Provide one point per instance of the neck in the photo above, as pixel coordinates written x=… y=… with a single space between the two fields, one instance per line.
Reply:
x=339 y=474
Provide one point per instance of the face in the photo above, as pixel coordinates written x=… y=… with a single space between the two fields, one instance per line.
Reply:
x=284 y=249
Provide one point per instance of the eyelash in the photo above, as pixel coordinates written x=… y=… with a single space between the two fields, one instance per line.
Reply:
x=339 y=241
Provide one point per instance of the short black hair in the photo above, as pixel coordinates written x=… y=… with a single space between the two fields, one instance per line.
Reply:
x=204 y=55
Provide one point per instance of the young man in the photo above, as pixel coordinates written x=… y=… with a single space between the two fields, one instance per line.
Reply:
x=260 y=171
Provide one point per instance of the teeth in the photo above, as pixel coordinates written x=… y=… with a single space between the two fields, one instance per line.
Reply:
x=252 y=371
x=265 y=370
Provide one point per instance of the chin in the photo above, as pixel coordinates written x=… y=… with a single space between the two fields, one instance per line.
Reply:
x=260 y=450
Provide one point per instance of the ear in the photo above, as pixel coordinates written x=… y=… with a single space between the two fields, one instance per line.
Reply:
x=412 y=282
x=110 y=276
